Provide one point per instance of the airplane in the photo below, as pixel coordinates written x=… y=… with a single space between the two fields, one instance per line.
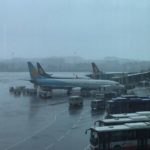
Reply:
x=99 y=74
x=129 y=79
x=44 y=74
x=69 y=84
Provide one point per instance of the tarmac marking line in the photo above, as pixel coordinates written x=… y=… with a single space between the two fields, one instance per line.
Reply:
x=49 y=146
x=87 y=147
x=61 y=138
x=64 y=111
x=29 y=137
x=68 y=132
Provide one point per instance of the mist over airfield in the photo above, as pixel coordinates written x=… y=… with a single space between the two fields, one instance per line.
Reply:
x=88 y=28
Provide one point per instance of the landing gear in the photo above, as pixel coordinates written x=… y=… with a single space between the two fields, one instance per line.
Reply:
x=38 y=89
x=44 y=92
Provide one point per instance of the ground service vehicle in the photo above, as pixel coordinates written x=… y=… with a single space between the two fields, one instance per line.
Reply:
x=75 y=101
x=45 y=94
x=97 y=104
x=128 y=136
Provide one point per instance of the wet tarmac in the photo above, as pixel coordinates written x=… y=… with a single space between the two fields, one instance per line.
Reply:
x=30 y=123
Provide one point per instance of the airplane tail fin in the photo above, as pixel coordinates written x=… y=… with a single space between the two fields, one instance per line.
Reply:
x=40 y=69
x=96 y=71
x=42 y=72
x=97 y=74
x=33 y=71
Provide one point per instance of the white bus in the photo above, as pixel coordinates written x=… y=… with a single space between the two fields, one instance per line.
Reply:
x=119 y=121
x=128 y=136
x=127 y=115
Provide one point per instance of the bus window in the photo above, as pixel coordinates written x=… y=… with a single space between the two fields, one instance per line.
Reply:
x=128 y=135
x=142 y=139
x=104 y=141
x=116 y=136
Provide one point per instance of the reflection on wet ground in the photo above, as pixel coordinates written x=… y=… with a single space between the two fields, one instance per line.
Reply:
x=31 y=123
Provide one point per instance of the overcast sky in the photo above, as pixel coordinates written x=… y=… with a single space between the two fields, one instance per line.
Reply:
x=86 y=28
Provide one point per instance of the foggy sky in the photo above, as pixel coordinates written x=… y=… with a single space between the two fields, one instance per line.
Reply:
x=87 y=28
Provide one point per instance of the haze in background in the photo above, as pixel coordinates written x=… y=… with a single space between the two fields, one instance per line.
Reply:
x=88 y=28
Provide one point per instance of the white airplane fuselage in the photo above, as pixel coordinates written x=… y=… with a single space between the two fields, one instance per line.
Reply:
x=82 y=83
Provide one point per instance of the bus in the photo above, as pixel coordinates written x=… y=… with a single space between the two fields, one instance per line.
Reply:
x=127 y=105
x=128 y=136
x=118 y=121
x=122 y=115
x=145 y=113
x=127 y=115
